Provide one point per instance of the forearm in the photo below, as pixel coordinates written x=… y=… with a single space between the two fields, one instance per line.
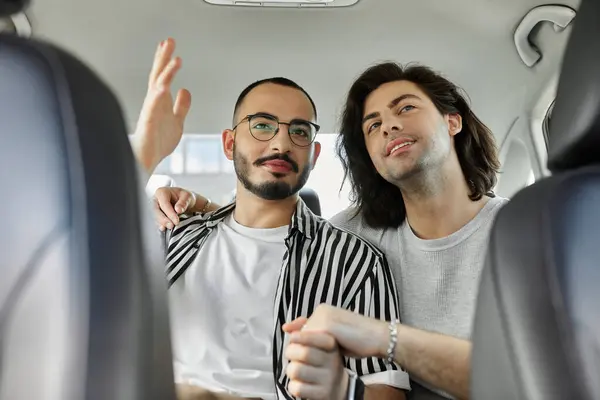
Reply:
x=145 y=159
x=383 y=392
x=440 y=360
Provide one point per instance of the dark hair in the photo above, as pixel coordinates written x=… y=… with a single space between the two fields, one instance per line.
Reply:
x=380 y=201
x=278 y=81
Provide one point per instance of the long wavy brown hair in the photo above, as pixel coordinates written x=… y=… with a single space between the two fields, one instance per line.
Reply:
x=379 y=201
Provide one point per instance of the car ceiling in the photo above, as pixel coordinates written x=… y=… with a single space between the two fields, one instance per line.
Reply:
x=226 y=48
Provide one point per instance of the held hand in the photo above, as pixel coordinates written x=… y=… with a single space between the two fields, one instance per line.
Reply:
x=160 y=125
x=169 y=203
x=316 y=370
x=357 y=335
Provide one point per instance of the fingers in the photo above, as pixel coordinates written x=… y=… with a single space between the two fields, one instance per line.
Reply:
x=161 y=219
x=186 y=199
x=315 y=373
x=321 y=341
x=295 y=325
x=298 y=371
x=306 y=390
x=183 y=103
x=164 y=80
x=163 y=197
x=306 y=355
x=165 y=67
x=163 y=55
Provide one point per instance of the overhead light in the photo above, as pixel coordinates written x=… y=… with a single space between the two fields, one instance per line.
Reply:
x=16 y=24
x=284 y=3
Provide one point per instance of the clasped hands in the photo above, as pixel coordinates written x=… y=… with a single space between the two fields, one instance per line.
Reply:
x=318 y=344
x=316 y=365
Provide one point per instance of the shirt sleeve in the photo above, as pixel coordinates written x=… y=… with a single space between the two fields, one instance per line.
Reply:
x=378 y=298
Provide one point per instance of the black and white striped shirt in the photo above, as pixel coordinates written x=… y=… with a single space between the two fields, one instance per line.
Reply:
x=322 y=264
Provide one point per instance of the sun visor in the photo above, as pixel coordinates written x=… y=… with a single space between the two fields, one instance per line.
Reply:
x=574 y=128
x=284 y=3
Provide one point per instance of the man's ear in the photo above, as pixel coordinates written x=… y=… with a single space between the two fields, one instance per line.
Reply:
x=228 y=139
x=454 y=124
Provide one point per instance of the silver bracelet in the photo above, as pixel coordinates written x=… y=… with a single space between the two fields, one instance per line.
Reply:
x=206 y=205
x=393 y=340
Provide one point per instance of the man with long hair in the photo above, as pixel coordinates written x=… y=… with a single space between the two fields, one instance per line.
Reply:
x=422 y=168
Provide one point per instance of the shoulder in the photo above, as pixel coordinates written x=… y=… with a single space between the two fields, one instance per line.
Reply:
x=349 y=219
x=345 y=235
x=499 y=201
x=192 y=222
x=352 y=220
x=495 y=204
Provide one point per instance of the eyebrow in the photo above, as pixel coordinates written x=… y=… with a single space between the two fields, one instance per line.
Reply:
x=297 y=119
x=392 y=104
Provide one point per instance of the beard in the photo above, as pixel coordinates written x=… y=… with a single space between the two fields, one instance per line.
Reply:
x=428 y=158
x=270 y=190
x=409 y=172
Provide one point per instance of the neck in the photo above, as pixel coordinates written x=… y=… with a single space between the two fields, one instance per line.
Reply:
x=437 y=203
x=255 y=212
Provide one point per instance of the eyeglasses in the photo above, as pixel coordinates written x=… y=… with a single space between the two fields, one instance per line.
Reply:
x=264 y=127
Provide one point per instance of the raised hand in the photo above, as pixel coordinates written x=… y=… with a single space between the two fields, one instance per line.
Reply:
x=160 y=125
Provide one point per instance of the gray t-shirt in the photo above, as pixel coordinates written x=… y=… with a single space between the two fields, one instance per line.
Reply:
x=437 y=279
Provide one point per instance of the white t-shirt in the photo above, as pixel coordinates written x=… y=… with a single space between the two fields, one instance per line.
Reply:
x=222 y=313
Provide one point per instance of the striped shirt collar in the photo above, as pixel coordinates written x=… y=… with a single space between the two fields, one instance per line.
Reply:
x=303 y=219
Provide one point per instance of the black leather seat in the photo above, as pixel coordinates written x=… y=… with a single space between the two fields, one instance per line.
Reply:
x=82 y=289
x=311 y=199
x=537 y=325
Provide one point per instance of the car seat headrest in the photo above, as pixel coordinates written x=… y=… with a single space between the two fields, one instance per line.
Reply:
x=311 y=199
x=10 y=7
x=574 y=129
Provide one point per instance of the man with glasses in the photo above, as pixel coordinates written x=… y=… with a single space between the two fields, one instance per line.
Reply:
x=238 y=274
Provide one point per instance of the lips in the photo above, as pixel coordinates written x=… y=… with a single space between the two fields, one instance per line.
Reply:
x=278 y=166
x=398 y=145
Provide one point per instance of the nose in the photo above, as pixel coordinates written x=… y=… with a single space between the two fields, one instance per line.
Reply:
x=391 y=124
x=281 y=143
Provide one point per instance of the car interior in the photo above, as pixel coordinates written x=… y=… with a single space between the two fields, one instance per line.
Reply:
x=537 y=326
x=83 y=310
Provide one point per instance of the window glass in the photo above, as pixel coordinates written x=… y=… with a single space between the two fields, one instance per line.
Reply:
x=203 y=154
x=172 y=164
x=326 y=178
x=199 y=164
x=226 y=164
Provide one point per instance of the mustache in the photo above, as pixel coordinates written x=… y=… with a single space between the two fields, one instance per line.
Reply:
x=282 y=157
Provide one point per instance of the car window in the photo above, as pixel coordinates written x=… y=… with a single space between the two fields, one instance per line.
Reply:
x=199 y=164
